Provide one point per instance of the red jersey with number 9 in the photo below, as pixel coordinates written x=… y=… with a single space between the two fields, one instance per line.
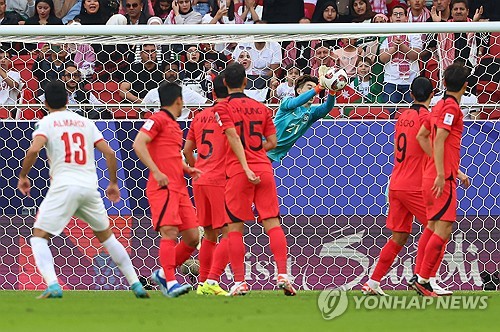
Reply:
x=253 y=122
x=211 y=145
x=408 y=155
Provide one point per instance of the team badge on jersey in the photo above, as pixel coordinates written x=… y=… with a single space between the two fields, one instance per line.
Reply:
x=148 y=124
x=448 y=119
x=305 y=118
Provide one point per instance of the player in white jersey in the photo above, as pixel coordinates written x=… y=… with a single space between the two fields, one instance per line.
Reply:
x=69 y=140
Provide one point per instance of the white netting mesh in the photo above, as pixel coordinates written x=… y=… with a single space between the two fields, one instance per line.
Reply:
x=331 y=185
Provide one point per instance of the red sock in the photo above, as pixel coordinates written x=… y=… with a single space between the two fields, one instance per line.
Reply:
x=387 y=255
x=422 y=243
x=220 y=260
x=237 y=255
x=182 y=252
x=432 y=253
x=205 y=256
x=438 y=262
x=167 y=258
x=277 y=241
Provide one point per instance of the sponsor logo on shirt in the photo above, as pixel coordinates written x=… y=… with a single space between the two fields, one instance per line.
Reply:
x=448 y=119
x=148 y=124
x=305 y=118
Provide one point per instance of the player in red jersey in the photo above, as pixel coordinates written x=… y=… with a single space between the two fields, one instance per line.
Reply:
x=250 y=177
x=405 y=189
x=440 y=174
x=158 y=145
x=206 y=136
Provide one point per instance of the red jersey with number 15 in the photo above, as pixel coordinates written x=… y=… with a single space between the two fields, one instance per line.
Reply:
x=408 y=155
x=253 y=122
x=446 y=114
x=211 y=145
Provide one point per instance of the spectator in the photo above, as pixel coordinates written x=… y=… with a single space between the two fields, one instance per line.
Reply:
x=380 y=6
x=266 y=56
x=183 y=13
x=66 y=10
x=202 y=6
x=147 y=7
x=417 y=12
x=363 y=82
x=468 y=104
x=135 y=12
x=250 y=12
x=491 y=9
x=222 y=12
x=322 y=56
x=361 y=11
x=283 y=11
x=7 y=18
x=24 y=8
x=298 y=53
x=246 y=60
x=92 y=13
x=215 y=62
x=193 y=75
x=400 y=56
x=347 y=55
x=141 y=77
x=83 y=57
x=78 y=95
x=287 y=88
x=50 y=68
x=162 y=8
x=10 y=81
x=327 y=13
x=440 y=11
x=189 y=97
x=44 y=14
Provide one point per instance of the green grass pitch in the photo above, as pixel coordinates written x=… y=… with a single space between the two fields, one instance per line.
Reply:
x=112 y=311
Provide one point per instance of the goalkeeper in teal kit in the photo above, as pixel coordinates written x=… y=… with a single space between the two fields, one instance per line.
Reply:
x=295 y=114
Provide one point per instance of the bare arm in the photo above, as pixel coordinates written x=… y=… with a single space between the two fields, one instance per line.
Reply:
x=24 y=184
x=441 y=136
x=112 y=191
x=141 y=149
x=188 y=151
x=410 y=52
x=423 y=138
x=270 y=143
x=235 y=143
x=386 y=55
x=10 y=82
x=124 y=92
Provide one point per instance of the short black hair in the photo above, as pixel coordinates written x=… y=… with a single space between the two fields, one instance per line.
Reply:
x=56 y=95
x=421 y=88
x=303 y=80
x=219 y=88
x=168 y=64
x=234 y=75
x=169 y=92
x=465 y=2
x=455 y=77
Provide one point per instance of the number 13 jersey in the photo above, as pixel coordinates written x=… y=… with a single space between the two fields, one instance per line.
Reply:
x=409 y=158
x=70 y=148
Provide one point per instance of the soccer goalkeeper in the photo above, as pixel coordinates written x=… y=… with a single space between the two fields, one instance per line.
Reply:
x=296 y=114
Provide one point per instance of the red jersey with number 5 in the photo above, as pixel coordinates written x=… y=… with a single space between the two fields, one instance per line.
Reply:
x=211 y=145
x=446 y=114
x=408 y=155
x=253 y=122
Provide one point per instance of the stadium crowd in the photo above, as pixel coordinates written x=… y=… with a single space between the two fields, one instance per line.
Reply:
x=380 y=69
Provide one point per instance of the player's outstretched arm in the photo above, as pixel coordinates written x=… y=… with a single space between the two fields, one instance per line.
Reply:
x=270 y=143
x=424 y=140
x=324 y=109
x=140 y=148
x=441 y=136
x=188 y=152
x=112 y=191
x=290 y=104
x=235 y=143
x=24 y=184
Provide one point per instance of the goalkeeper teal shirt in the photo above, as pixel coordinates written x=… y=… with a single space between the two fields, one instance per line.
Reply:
x=293 y=119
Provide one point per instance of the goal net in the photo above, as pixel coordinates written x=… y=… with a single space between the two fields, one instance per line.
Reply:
x=332 y=183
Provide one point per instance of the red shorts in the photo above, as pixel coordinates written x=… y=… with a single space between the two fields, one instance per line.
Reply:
x=240 y=194
x=403 y=205
x=171 y=208
x=442 y=208
x=209 y=201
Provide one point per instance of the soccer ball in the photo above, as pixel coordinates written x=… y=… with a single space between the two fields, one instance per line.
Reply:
x=335 y=79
